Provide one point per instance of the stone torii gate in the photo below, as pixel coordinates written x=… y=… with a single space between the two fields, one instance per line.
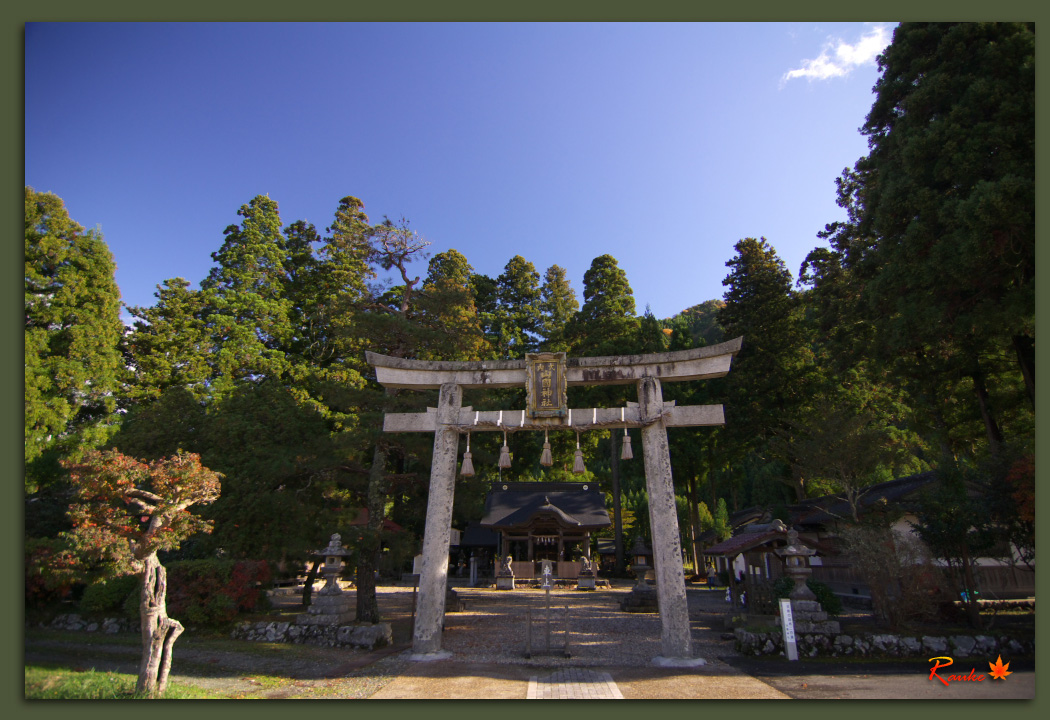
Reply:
x=650 y=413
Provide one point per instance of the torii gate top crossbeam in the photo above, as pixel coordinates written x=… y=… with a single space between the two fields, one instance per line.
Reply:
x=697 y=364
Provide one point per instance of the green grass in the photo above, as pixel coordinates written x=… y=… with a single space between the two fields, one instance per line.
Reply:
x=51 y=683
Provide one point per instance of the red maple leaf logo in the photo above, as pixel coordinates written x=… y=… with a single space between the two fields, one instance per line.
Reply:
x=999 y=669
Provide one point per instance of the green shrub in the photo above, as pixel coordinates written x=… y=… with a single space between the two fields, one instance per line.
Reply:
x=829 y=601
x=109 y=596
x=213 y=591
x=131 y=605
x=50 y=571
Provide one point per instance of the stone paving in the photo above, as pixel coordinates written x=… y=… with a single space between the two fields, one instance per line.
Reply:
x=574 y=684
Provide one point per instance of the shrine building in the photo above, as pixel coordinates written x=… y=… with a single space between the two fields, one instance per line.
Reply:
x=545 y=521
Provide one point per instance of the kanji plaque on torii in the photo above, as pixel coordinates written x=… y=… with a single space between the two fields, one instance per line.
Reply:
x=650 y=413
x=546 y=388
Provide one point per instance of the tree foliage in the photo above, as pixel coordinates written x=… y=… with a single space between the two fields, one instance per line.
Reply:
x=607 y=319
x=558 y=304
x=936 y=260
x=128 y=511
x=72 y=328
x=909 y=343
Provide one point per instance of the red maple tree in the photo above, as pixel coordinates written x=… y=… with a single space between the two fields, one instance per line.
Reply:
x=126 y=511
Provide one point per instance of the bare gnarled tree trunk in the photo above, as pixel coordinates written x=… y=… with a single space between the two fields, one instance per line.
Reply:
x=159 y=632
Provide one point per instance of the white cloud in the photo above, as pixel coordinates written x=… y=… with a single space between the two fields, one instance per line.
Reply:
x=838 y=57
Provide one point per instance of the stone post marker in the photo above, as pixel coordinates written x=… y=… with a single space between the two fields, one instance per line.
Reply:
x=437 y=534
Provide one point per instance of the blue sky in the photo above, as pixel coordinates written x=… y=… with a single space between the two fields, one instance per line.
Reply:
x=661 y=144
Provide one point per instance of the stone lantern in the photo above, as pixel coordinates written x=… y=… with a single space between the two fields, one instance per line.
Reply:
x=331 y=606
x=643 y=597
x=333 y=564
x=809 y=617
x=642 y=555
x=796 y=566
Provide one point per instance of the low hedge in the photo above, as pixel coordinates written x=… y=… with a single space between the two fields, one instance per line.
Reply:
x=202 y=592
x=829 y=601
x=213 y=591
x=108 y=596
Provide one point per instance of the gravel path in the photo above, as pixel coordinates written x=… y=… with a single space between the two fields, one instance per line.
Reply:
x=492 y=628
x=489 y=630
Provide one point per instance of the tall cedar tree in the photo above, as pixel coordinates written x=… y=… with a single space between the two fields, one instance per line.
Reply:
x=607 y=325
x=280 y=439
x=765 y=388
x=944 y=240
x=249 y=313
x=169 y=345
x=516 y=324
x=558 y=304
x=72 y=330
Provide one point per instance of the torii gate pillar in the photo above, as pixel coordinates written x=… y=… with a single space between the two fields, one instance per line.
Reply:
x=650 y=414
x=676 y=642
x=430 y=610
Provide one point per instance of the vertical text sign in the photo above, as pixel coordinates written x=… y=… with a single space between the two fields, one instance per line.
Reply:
x=545 y=384
x=787 y=622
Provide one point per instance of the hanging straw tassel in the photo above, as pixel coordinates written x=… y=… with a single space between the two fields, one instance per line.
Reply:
x=504 y=453
x=577 y=464
x=546 y=459
x=467 y=469
x=625 y=449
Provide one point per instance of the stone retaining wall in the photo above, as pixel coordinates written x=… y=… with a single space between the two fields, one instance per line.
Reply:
x=355 y=636
x=74 y=622
x=882 y=645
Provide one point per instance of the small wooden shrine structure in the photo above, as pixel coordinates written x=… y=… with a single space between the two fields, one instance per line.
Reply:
x=545 y=521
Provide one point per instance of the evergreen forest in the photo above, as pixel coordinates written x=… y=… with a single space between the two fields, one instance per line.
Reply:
x=905 y=343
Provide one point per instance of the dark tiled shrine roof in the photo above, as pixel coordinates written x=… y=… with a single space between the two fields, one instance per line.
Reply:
x=818 y=511
x=744 y=542
x=569 y=504
x=477 y=536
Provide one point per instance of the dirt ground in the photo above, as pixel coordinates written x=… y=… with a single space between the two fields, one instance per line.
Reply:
x=480 y=667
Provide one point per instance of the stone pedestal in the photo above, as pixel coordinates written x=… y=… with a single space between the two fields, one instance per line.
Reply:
x=453 y=603
x=810 y=619
x=329 y=610
x=505 y=576
x=586 y=580
x=642 y=598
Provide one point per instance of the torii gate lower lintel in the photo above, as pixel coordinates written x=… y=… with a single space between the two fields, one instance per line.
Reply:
x=650 y=413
